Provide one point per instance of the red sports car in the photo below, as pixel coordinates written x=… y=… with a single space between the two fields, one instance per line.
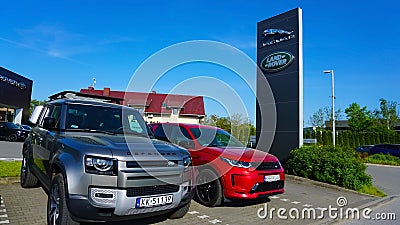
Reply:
x=226 y=168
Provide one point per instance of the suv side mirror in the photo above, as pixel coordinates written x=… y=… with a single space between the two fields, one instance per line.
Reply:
x=49 y=123
x=187 y=144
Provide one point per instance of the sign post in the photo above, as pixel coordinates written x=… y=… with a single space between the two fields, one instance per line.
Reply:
x=280 y=59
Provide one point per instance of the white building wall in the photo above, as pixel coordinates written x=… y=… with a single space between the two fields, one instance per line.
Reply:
x=170 y=118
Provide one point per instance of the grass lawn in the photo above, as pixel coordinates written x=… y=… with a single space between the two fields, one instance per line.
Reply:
x=10 y=168
x=383 y=159
x=372 y=190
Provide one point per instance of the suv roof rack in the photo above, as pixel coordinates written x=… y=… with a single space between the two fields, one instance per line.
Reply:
x=84 y=96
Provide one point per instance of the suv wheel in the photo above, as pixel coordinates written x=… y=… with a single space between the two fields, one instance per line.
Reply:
x=209 y=188
x=27 y=178
x=179 y=213
x=57 y=209
x=12 y=137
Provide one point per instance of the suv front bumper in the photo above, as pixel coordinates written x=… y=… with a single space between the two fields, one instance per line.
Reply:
x=121 y=207
x=244 y=184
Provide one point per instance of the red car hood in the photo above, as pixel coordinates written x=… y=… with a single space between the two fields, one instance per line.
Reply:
x=242 y=154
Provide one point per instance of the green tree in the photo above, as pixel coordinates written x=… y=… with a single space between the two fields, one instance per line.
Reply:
x=387 y=114
x=317 y=119
x=323 y=115
x=359 y=119
x=239 y=126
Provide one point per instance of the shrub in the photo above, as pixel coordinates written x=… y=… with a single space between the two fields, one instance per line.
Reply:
x=339 y=166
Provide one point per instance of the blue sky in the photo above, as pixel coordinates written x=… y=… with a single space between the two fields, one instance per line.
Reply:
x=62 y=45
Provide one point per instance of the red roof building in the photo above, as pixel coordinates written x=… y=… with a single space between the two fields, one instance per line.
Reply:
x=158 y=107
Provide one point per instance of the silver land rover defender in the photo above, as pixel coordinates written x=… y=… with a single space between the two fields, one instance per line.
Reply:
x=97 y=161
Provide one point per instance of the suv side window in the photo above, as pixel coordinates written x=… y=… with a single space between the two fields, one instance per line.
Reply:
x=56 y=114
x=185 y=133
x=159 y=133
x=179 y=134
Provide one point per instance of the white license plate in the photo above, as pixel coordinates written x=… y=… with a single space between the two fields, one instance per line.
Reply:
x=271 y=178
x=154 y=201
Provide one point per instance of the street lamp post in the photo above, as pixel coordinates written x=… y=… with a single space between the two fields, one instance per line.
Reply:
x=333 y=106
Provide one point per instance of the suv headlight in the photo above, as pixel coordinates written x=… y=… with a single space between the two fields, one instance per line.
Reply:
x=187 y=162
x=236 y=163
x=99 y=165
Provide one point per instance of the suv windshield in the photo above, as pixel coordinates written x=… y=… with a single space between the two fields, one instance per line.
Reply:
x=104 y=119
x=215 y=138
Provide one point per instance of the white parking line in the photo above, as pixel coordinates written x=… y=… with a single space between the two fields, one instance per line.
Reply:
x=5 y=221
x=193 y=212
x=284 y=199
x=203 y=216
x=215 y=221
x=274 y=197
x=295 y=202
x=307 y=205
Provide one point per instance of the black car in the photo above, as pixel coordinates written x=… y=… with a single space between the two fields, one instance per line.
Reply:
x=364 y=148
x=391 y=149
x=26 y=127
x=12 y=132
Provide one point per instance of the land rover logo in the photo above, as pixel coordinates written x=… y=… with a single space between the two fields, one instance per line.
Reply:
x=20 y=85
x=171 y=164
x=276 y=61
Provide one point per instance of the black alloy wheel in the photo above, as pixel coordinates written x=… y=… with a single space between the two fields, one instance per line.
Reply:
x=209 y=188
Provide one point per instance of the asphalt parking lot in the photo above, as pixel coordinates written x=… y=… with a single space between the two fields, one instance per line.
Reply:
x=10 y=150
x=28 y=206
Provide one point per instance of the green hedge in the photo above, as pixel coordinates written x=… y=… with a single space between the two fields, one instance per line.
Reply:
x=339 y=166
x=353 y=139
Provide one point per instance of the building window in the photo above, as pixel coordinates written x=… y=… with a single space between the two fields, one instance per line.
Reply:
x=164 y=105
x=175 y=111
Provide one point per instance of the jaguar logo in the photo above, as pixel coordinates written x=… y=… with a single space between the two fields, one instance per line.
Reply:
x=276 y=61
x=275 y=36
x=270 y=32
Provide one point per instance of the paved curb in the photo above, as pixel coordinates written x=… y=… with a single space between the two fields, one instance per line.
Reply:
x=9 y=180
x=381 y=165
x=321 y=184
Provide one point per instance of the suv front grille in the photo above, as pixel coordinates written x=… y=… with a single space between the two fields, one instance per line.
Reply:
x=146 y=164
x=269 y=186
x=268 y=166
x=151 y=190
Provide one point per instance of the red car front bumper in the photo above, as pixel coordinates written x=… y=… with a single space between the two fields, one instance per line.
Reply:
x=251 y=183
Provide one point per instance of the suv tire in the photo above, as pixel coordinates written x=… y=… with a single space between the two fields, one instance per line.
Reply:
x=179 y=213
x=57 y=209
x=27 y=178
x=209 y=189
x=12 y=137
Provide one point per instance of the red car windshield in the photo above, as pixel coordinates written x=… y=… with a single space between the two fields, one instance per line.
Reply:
x=215 y=138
